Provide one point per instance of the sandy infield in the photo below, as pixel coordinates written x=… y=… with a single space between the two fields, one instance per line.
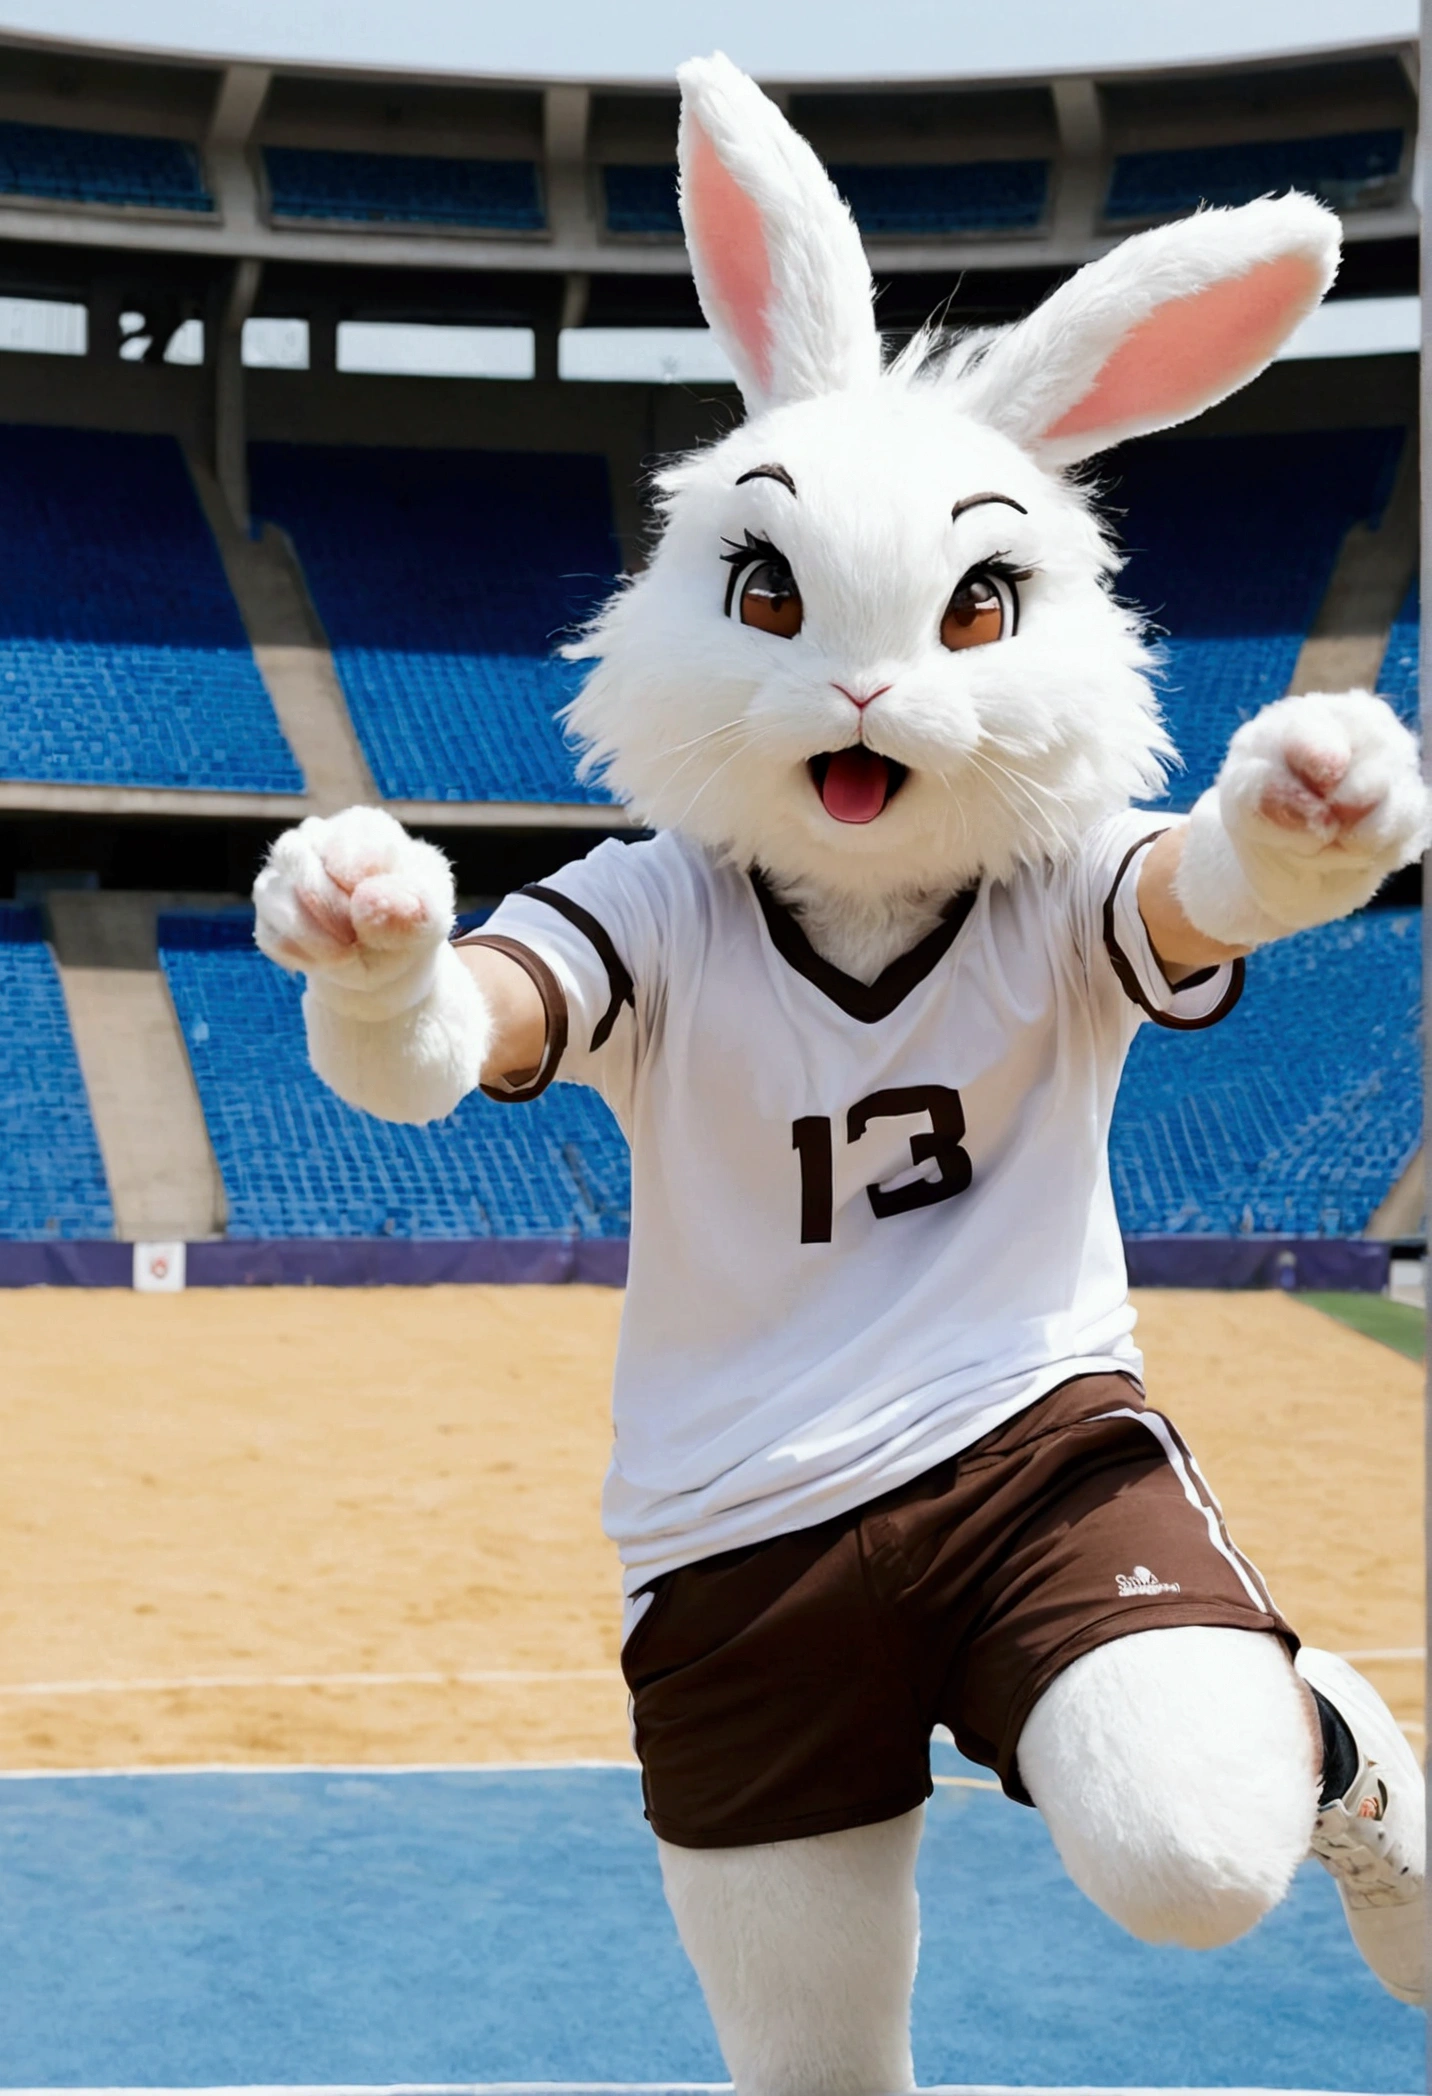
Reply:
x=297 y=1525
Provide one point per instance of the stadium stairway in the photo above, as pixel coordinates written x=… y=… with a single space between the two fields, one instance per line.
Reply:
x=291 y=649
x=164 y=1182
x=1347 y=645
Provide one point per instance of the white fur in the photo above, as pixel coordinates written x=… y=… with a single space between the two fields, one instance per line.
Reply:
x=806 y=1954
x=1178 y=1772
x=821 y=326
x=1318 y=800
x=1025 y=379
x=396 y=1025
x=1178 y=1775
x=1014 y=750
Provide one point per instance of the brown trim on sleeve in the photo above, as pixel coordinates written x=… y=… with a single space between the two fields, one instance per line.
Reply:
x=523 y=1085
x=1128 y=978
x=618 y=975
x=867 y=1002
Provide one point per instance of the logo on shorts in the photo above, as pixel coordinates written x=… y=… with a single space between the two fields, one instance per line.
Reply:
x=1142 y=1581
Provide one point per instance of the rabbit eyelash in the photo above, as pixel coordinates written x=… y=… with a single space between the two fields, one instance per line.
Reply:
x=746 y=556
x=1000 y=566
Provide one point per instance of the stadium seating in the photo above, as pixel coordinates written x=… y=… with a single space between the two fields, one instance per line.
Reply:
x=986 y=196
x=1397 y=679
x=297 y=1162
x=1232 y=542
x=52 y=1182
x=1294 y=1115
x=1346 y=170
x=123 y=660
x=403 y=189
x=642 y=200
x=444 y=580
x=101 y=167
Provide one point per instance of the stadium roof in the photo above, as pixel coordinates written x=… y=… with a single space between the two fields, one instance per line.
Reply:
x=643 y=40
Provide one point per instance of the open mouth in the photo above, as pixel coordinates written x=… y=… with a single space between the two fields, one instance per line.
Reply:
x=856 y=785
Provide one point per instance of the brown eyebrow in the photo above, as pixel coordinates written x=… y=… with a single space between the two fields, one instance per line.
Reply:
x=768 y=473
x=974 y=501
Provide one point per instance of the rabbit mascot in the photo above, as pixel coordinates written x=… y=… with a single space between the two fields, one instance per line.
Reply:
x=883 y=1459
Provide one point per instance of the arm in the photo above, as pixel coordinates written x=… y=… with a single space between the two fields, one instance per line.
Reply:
x=1182 y=949
x=1320 y=798
x=399 y=1022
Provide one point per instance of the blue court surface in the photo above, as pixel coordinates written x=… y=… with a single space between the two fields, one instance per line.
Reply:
x=478 y=1927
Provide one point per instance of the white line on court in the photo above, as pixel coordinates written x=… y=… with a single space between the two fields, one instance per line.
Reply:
x=1372 y=1652
x=432 y=1679
x=314 y=1768
x=177 y=1684
x=470 y=1677
x=622 y=2088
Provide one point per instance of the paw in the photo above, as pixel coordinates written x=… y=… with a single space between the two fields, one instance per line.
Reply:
x=353 y=901
x=1320 y=798
x=1326 y=776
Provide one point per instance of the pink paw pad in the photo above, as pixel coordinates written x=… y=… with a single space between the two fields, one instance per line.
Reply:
x=326 y=915
x=384 y=905
x=1292 y=806
x=1317 y=766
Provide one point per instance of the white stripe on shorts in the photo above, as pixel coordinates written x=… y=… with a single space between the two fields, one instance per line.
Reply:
x=1186 y=1471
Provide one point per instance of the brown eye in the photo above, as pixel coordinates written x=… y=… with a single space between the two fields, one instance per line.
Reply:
x=983 y=608
x=770 y=600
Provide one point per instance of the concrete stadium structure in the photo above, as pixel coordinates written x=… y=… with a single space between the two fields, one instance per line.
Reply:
x=155 y=191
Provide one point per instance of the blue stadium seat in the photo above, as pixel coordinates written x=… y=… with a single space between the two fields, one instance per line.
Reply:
x=52 y=1181
x=642 y=200
x=101 y=167
x=123 y=660
x=445 y=580
x=1232 y=543
x=1297 y=1113
x=1346 y=170
x=297 y=1162
x=404 y=189
x=984 y=196
x=1397 y=679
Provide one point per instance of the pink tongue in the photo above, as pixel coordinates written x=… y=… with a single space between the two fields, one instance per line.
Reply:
x=856 y=785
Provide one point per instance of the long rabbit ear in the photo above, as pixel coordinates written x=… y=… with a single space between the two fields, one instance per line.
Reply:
x=779 y=268
x=1158 y=330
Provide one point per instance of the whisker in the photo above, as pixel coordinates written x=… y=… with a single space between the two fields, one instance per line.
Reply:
x=700 y=742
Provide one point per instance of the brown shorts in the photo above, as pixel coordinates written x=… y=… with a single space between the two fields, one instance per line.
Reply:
x=791 y=1688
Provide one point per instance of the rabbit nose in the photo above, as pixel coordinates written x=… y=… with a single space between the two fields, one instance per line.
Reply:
x=860 y=704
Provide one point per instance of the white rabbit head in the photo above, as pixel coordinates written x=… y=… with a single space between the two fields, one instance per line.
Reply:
x=876 y=650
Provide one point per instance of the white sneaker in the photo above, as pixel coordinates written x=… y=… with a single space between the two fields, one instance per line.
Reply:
x=1373 y=1839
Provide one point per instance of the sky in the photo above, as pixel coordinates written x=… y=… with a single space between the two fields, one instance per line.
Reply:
x=646 y=39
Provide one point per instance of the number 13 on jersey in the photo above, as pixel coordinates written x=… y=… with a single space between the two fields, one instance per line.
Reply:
x=812 y=1138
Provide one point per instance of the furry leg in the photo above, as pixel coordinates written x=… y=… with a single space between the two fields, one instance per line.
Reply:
x=806 y=1954
x=1178 y=1773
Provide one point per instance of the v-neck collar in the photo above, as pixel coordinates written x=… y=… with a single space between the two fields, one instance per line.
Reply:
x=867 y=1002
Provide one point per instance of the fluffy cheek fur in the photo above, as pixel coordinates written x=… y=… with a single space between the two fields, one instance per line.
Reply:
x=1013 y=750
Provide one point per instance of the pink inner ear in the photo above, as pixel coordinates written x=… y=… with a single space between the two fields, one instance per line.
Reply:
x=726 y=228
x=1193 y=350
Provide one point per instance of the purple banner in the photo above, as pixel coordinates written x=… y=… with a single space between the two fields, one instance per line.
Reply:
x=335 y=1262
x=1354 y=1263
x=387 y=1262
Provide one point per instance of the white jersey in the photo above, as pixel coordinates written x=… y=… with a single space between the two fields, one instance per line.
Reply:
x=869 y=1223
